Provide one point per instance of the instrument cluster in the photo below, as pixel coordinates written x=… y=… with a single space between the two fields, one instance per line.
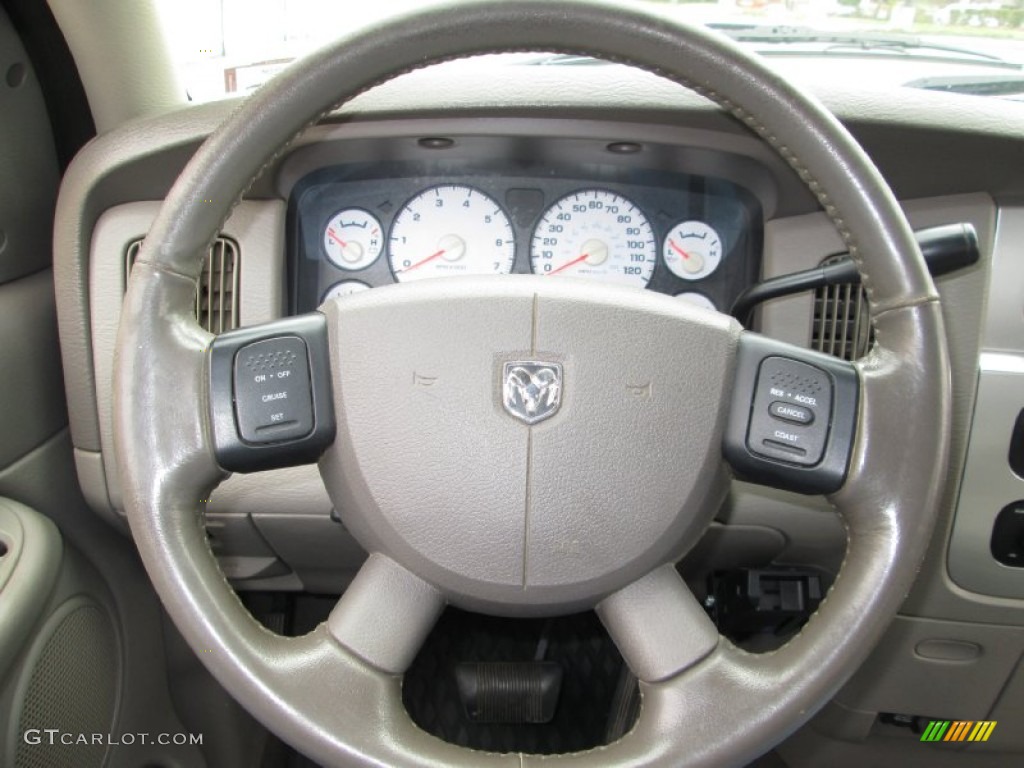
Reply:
x=354 y=228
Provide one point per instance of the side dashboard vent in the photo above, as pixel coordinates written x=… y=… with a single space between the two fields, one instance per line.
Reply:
x=217 y=297
x=841 y=326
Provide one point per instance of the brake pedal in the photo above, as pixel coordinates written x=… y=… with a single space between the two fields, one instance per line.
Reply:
x=509 y=692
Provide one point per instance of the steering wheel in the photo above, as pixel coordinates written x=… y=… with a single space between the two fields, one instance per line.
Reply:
x=464 y=496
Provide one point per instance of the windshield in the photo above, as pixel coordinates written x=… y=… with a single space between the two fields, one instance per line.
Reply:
x=231 y=47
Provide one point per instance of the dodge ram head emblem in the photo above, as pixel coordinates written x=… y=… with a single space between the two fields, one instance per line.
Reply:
x=532 y=391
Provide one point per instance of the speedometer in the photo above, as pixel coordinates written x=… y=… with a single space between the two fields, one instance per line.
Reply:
x=451 y=230
x=595 y=233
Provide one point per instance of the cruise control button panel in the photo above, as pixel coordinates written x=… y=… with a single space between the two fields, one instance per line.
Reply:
x=270 y=394
x=792 y=405
x=272 y=397
x=793 y=417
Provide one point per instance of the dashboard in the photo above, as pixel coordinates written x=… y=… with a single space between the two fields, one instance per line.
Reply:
x=551 y=140
x=363 y=225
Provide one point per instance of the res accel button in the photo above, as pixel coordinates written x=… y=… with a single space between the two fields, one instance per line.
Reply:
x=795 y=414
x=272 y=392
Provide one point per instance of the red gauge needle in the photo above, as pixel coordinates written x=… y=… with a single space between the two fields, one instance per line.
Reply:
x=679 y=250
x=335 y=238
x=577 y=260
x=421 y=262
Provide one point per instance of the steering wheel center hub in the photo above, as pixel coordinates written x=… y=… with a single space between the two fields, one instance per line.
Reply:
x=492 y=442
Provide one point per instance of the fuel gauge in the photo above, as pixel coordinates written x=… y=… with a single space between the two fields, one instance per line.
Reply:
x=692 y=250
x=344 y=288
x=697 y=299
x=352 y=239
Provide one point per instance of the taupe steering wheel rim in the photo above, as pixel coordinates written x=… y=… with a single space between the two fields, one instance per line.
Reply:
x=335 y=693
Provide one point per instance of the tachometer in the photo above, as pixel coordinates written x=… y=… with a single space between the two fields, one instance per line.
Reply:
x=451 y=230
x=595 y=233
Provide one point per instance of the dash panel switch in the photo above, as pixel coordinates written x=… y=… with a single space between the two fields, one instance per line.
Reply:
x=272 y=396
x=791 y=412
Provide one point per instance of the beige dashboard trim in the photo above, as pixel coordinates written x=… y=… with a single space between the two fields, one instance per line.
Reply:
x=989 y=484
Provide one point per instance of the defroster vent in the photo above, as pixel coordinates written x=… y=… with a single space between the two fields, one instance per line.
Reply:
x=841 y=326
x=217 y=297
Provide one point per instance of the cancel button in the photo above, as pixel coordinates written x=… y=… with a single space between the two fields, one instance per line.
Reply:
x=795 y=414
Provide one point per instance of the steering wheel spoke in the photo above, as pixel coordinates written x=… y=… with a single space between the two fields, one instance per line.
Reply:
x=270 y=394
x=658 y=625
x=792 y=420
x=385 y=614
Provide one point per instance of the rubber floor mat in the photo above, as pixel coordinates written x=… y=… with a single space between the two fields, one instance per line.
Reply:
x=579 y=643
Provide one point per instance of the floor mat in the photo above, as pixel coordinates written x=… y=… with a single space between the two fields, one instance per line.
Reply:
x=579 y=643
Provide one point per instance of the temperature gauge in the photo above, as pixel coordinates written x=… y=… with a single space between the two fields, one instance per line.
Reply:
x=692 y=250
x=352 y=239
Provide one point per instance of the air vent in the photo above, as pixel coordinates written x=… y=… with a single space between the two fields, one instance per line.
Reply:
x=841 y=326
x=217 y=299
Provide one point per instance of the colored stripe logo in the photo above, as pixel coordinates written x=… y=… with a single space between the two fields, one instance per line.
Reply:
x=958 y=730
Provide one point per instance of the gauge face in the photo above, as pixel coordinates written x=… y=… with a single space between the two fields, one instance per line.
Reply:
x=692 y=250
x=353 y=239
x=595 y=233
x=699 y=299
x=451 y=230
x=344 y=288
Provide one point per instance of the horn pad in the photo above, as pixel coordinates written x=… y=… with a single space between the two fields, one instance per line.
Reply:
x=527 y=444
